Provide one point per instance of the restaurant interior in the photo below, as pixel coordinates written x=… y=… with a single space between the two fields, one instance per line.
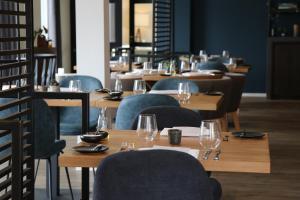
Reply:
x=150 y=99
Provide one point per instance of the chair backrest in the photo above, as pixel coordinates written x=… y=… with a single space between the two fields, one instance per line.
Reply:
x=70 y=117
x=44 y=128
x=222 y=85
x=3 y=114
x=45 y=66
x=172 y=84
x=212 y=65
x=148 y=175
x=131 y=106
x=127 y=84
x=88 y=83
x=238 y=82
x=170 y=116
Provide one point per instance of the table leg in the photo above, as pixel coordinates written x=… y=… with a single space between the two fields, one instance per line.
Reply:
x=85 y=183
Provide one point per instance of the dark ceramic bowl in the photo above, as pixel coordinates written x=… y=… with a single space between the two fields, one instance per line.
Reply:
x=115 y=94
x=94 y=138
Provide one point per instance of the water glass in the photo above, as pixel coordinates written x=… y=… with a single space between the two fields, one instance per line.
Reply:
x=225 y=54
x=102 y=123
x=185 y=66
x=139 y=87
x=75 y=85
x=210 y=135
x=194 y=67
x=160 y=68
x=183 y=93
x=147 y=67
x=202 y=53
x=147 y=126
x=118 y=85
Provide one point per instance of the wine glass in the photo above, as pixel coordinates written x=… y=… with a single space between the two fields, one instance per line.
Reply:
x=75 y=85
x=118 y=85
x=102 y=123
x=147 y=126
x=183 y=92
x=139 y=87
x=210 y=135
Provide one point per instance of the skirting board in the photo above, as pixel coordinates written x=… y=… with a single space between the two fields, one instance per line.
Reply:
x=255 y=95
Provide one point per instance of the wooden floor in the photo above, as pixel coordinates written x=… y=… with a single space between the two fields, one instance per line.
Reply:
x=279 y=118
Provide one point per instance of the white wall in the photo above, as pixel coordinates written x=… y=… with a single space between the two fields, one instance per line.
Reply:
x=36 y=16
x=92 y=39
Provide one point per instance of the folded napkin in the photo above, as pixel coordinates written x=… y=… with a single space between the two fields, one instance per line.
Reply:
x=163 y=92
x=186 y=74
x=186 y=131
x=192 y=152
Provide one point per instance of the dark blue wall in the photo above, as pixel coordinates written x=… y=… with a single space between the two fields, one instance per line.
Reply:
x=182 y=26
x=239 y=26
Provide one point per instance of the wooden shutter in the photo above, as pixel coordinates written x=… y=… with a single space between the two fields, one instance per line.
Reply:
x=16 y=139
x=162 y=42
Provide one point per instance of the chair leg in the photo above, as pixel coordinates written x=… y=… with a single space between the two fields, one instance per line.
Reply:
x=224 y=123
x=37 y=169
x=50 y=178
x=69 y=182
x=236 y=120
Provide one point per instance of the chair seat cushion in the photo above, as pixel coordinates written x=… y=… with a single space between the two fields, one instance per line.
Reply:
x=56 y=148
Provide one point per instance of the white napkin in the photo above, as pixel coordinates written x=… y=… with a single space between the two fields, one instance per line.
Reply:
x=163 y=92
x=199 y=73
x=192 y=152
x=186 y=131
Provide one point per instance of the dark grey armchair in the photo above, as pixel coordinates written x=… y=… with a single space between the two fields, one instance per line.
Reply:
x=154 y=174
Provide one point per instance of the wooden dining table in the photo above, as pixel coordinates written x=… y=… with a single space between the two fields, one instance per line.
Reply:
x=237 y=155
x=199 y=101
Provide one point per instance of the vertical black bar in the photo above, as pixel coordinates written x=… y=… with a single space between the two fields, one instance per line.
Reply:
x=17 y=160
x=73 y=34
x=131 y=27
x=85 y=112
x=58 y=33
x=30 y=82
x=85 y=180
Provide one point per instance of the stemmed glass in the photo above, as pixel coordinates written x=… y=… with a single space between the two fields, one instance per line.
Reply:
x=183 y=92
x=102 y=123
x=139 y=87
x=210 y=136
x=75 y=85
x=118 y=85
x=147 y=126
x=225 y=54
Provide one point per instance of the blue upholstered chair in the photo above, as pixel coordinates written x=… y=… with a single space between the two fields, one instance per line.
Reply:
x=154 y=174
x=131 y=106
x=70 y=118
x=170 y=116
x=212 y=65
x=238 y=82
x=172 y=84
x=46 y=145
x=221 y=85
